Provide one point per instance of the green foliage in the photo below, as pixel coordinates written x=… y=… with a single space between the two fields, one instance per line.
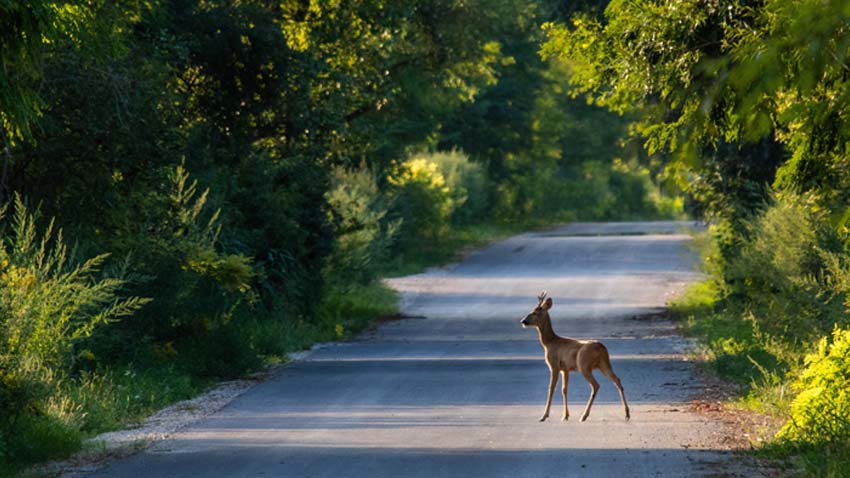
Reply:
x=345 y=312
x=364 y=235
x=780 y=276
x=423 y=199
x=28 y=27
x=730 y=338
x=592 y=190
x=781 y=290
x=196 y=241
x=48 y=305
x=669 y=66
x=450 y=247
x=817 y=433
x=819 y=413
x=176 y=252
x=781 y=295
x=39 y=438
x=467 y=183
x=107 y=399
x=746 y=104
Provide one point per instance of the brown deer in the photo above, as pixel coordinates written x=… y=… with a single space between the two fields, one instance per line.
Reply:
x=564 y=355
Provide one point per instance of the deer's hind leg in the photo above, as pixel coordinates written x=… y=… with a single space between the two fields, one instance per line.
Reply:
x=566 y=375
x=605 y=368
x=594 y=387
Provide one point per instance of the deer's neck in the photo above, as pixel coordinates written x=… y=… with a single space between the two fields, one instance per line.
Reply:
x=546 y=333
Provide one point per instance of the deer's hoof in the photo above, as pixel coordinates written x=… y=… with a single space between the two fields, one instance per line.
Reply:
x=566 y=417
x=543 y=418
x=583 y=418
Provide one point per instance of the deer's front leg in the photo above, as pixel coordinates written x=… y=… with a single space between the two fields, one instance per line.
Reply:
x=553 y=381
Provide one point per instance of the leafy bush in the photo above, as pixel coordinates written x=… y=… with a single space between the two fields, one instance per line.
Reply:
x=467 y=182
x=781 y=275
x=775 y=292
x=820 y=414
x=276 y=213
x=357 y=210
x=636 y=196
x=422 y=199
x=48 y=304
x=591 y=190
x=175 y=245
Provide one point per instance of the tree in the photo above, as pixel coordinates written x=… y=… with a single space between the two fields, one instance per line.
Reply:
x=710 y=76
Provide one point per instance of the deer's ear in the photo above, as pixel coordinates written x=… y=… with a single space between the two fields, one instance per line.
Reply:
x=547 y=304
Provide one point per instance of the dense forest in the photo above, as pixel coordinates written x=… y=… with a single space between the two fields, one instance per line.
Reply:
x=748 y=104
x=193 y=189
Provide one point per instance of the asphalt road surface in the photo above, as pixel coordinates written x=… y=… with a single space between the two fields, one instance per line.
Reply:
x=457 y=389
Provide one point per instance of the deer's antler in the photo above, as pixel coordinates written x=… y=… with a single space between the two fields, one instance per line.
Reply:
x=541 y=297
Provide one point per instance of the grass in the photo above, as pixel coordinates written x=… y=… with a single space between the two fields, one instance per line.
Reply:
x=733 y=349
x=763 y=366
x=112 y=398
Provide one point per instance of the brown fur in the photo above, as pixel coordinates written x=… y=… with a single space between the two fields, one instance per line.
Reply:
x=565 y=355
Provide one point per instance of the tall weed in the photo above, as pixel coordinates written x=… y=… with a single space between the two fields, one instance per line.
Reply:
x=48 y=304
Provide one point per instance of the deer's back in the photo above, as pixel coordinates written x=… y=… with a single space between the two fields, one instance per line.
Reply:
x=566 y=352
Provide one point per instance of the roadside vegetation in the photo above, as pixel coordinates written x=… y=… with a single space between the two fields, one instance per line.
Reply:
x=194 y=189
x=747 y=104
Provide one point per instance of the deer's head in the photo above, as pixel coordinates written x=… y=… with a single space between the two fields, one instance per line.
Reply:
x=539 y=314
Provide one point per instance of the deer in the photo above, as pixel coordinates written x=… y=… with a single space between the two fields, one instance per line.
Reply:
x=565 y=355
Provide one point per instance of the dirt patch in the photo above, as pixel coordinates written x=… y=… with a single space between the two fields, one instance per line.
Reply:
x=743 y=430
x=746 y=429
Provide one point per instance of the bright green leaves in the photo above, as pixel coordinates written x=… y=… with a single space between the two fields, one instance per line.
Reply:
x=582 y=49
x=47 y=302
x=819 y=414
x=707 y=71
x=296 y=19
x=197 y=239
x=660 y=58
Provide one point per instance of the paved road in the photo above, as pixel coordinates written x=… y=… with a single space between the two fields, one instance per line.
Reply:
x=458 y=392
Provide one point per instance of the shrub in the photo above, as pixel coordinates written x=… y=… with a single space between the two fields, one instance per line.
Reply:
x=820 y=414
x=780 y=273
x=422 y=199
x=467 y=182
x=48 y=304
x=589 y=193
x=636 y=195
x=590 y=190
x=275 y=212
x=357 y=211
x=176 y=249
